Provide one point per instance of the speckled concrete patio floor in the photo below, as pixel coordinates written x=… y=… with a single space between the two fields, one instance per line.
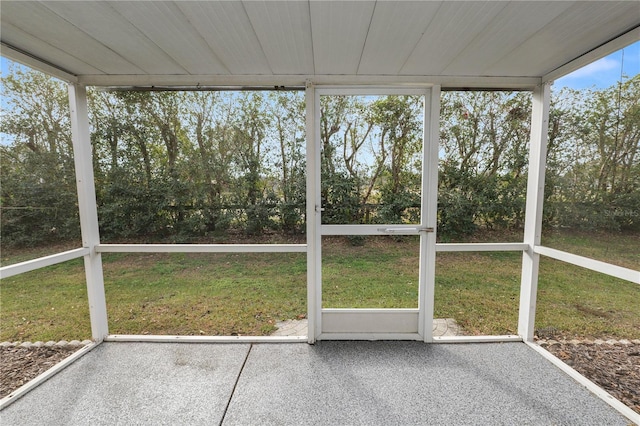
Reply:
x=330 y=383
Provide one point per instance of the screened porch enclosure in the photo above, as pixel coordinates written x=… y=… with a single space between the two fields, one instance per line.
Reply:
x=364 y=52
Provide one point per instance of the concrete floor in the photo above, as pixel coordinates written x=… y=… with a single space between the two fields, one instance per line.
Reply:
x=330 y=383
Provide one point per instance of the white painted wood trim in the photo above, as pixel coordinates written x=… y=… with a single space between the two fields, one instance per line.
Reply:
x=42 y=262
x=370 y=321
x=37 y=381
x=204 y=339
x=314 y=240
x=373 y=90
x=201 y=248
x=448 y=82
x=370 y=310
x=533 y=210
x=37 y=64
x=453 y=247
x=371 y=336
x=591 y=264
x=477 y=339
x=429 y=216
x=595 y=389
x=593 y=55
x=383 y=229
x=88 y=209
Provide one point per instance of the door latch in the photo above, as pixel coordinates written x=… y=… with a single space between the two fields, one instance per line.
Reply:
x=398 y=230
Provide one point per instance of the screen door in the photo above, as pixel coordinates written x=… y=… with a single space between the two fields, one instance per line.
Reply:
x=376 y=165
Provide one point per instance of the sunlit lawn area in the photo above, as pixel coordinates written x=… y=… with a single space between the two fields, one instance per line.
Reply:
x=245 y=294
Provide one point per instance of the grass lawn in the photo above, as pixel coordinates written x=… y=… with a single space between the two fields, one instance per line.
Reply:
x=245 y=294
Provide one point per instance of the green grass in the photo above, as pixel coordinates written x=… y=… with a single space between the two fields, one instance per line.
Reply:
x=210 y=294
x=47 y=304
x=381 y=274
x=245 y=294
x=480 y=290
x=618 y=249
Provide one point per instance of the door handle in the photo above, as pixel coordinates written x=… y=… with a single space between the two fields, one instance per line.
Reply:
x=397 y=230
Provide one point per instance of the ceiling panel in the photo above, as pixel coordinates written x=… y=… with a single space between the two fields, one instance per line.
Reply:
x=339 y=32
x=510 y=28
x=393 y=34
x=579 y=28
x=227 y=30
x=450 y=31
x=169 y=29
x=284 y=32
x=17 y=37
x=101 y=22
x=186 y=41
x=40 y=22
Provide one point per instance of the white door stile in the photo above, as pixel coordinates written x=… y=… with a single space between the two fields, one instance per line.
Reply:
x=429 y=215
x=314 y=241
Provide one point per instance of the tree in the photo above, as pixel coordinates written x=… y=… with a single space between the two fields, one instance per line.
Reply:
x=595 y=159
x=484 y=139
x=287 y=110
x=38 y=194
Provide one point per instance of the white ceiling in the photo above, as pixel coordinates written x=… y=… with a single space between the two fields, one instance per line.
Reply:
x=110 y=42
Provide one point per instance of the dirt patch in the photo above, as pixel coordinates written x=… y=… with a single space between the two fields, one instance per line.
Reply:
x=18 y=365
x=613 y=367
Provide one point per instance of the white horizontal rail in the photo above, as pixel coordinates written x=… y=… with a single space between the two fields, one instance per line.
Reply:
x=391 y=311
x=204 y=339
x=201 y=248
x=369 y=229
x=42 y=262
x=597 y=390
x=477 y=339
x=453 y=81
x=442 y=247
x=33 y=383
x=594 y=265
x=357 y=90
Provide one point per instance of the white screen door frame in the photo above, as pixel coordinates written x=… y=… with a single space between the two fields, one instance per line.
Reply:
x=373 y=324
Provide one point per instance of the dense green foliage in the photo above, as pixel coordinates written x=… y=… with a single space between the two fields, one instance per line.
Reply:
x=189 y=166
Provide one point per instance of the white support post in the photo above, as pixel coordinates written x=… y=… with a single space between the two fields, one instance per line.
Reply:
x=314 y=242
x=88 y=210
x=533 y=212
x=431 y=139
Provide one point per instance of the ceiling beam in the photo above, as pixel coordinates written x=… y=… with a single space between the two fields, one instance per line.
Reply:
x=36 y=63
x=593 y=55
x=447 y=82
